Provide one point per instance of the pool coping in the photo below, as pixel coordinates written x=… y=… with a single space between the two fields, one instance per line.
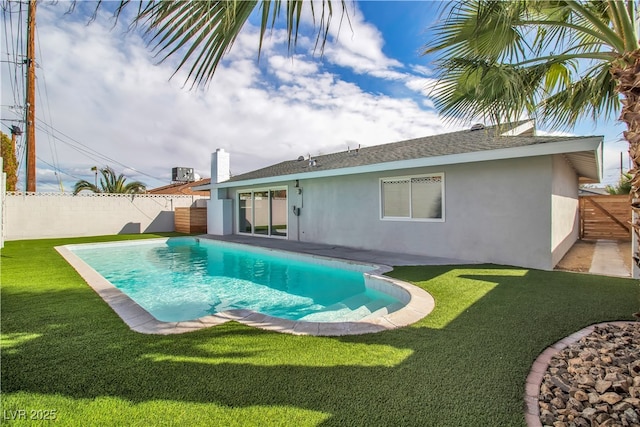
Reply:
x=420 y=304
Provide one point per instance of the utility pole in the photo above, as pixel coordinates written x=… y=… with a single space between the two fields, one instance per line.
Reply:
x=31 y=96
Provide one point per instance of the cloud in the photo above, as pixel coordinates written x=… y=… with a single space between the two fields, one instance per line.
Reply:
x=358 y=45
x=118 y=107
x=422 y=85
x=112 y=104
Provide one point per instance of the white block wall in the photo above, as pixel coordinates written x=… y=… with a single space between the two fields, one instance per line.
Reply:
x=44 y=215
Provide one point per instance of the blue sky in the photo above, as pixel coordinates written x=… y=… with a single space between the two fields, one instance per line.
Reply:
x=103 y=100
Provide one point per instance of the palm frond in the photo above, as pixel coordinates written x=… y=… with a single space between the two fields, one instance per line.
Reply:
x=202 y=32
x=480 y=88
x=83 y=185
x=480 y=29
x=556 y=69
x=626 y=19
x=593 y=96
x=111 y=184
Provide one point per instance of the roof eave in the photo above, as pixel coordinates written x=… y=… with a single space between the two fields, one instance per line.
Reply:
x=588 y=144
x=589 y=164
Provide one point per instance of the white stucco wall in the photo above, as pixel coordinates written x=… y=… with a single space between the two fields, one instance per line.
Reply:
x=40 y=215
x=565 y=228
x=495 y=212
x=490 y=214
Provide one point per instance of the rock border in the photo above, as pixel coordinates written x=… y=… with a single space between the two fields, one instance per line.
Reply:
x=549 y=384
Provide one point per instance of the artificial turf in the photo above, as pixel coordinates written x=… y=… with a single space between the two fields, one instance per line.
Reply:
x=64 y=352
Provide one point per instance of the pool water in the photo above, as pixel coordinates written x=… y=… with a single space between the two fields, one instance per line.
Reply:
x=183 y=279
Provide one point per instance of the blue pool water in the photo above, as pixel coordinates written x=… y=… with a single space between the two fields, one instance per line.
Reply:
x=185 y=278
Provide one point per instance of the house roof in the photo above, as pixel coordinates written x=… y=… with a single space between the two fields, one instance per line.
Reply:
x=183 y=188
x=490 y=143
x=591 y=191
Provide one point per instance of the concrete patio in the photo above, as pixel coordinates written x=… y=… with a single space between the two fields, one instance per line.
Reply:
x=341 y=252
x=603 y=257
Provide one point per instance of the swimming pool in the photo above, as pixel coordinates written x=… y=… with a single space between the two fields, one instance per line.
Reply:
x=181 y=280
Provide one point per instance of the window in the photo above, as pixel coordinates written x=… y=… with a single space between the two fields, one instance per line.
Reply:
x=413 y=198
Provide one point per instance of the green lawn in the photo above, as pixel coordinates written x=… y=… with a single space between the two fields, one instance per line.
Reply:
x=465 y=364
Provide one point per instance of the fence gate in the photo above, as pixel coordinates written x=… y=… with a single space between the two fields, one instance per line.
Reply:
x=605 y=217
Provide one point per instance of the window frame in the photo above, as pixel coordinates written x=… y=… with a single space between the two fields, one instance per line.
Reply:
x=381 y=182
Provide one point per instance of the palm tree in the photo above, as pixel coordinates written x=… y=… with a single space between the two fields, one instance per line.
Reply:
x=204 y=31
x=623 y=186
x=109 y=183
x=557 y=60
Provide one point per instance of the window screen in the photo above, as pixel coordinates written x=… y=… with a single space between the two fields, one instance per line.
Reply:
x=396 y=198
x=426 y=197
x=417 y=197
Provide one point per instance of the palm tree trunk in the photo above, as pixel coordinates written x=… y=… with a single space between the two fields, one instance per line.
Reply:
x=627 y=74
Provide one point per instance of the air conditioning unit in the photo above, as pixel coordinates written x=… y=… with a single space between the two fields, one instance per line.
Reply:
x=182 y=175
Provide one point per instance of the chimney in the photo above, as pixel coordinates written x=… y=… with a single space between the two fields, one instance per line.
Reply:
x=219 y=166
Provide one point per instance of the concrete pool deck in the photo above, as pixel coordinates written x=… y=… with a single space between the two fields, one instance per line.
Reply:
x=420 y=302
x=341 y=252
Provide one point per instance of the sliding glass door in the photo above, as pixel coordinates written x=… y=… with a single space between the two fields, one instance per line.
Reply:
x=263 y=212
x=279 y=210
x=245 y=213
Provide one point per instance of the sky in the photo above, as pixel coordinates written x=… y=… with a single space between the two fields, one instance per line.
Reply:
x=104 y=99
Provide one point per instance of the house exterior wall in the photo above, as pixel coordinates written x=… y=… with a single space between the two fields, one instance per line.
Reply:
x=565 y=228
x=495 y=212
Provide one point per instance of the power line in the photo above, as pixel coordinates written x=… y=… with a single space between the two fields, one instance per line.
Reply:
x=86 y=150
x=15 y=52
x=14 y=32
x=52 y=144
x=56 y=169
x=13 y=15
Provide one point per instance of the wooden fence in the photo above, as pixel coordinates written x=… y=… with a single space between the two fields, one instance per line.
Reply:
x=605 y=217
x=191 y=220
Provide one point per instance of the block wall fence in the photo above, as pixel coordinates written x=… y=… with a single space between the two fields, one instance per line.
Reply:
x=52 y=215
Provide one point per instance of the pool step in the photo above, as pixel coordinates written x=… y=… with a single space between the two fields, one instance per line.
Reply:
x=357 y=300
x=359 y=306
x=385 y=310
x=331 y=312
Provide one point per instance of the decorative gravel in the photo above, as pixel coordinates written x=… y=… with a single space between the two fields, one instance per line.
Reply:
x=594 y=382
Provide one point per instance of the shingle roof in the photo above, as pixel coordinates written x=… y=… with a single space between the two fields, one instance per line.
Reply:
x=466 y=141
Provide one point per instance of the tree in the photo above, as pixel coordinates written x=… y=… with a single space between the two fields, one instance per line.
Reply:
x=556 y=60
x=9 y=162
x=623 y=186
x=109 y=183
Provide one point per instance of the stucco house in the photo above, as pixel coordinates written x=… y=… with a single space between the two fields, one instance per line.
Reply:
x=496 y=195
